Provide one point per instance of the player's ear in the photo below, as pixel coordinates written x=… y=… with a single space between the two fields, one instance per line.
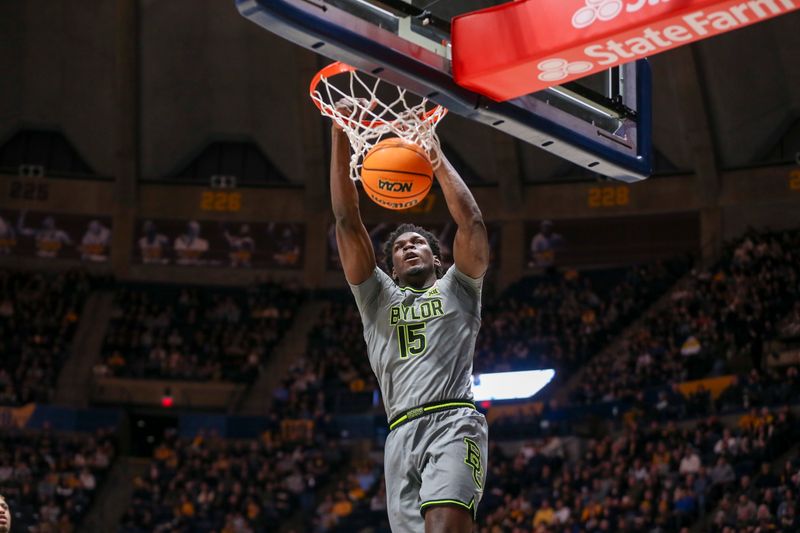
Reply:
x=436 y=261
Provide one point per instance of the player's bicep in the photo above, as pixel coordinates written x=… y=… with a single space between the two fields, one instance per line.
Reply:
x=355 y=251
x=471 y=249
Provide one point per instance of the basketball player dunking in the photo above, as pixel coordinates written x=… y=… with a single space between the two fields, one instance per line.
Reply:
x=420 y=327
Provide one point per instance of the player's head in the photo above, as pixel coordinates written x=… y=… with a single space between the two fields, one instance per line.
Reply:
x=412 y=253
x=193 y=228
x=5 y=516
x=546 y=227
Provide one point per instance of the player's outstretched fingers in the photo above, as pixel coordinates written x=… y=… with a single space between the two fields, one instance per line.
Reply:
x=355 y=108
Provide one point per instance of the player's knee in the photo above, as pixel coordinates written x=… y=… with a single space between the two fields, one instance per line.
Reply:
x=448 y=519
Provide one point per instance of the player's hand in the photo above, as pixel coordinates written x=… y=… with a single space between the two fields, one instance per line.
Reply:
x=351 y=108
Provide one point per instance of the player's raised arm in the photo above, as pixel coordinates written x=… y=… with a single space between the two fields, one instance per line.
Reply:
x=352 y=239
x=471 y=244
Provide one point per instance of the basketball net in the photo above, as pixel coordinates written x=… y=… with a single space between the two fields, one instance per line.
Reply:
x=366 y=119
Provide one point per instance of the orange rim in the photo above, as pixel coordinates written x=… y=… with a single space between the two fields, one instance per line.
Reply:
x=337 y=68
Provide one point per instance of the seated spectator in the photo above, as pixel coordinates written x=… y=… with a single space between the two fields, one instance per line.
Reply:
x=690 y=464
x=544 y=516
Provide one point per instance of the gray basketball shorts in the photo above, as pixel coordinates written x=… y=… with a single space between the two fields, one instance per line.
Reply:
x=438 y=459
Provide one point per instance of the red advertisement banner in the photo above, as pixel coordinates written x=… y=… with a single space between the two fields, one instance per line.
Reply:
x=522 y=47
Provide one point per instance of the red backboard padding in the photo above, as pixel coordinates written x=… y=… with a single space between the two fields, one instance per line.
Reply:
x=525 y=46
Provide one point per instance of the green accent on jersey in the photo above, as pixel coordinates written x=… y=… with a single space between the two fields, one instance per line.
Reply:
x=473 y=460
x=468 y=506
x=427 y=409
x=412 y=289
x=418 y=311
x=411 y=339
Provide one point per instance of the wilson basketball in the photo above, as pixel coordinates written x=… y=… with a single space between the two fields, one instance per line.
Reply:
x=396 y=174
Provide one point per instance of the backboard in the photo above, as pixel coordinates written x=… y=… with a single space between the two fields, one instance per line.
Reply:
x=600 y=122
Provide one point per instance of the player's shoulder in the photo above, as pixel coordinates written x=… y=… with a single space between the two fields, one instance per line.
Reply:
x=454 y=277
x=380 y=278
x=378 y=283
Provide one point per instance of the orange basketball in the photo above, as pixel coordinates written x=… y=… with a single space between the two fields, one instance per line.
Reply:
x=396 y=174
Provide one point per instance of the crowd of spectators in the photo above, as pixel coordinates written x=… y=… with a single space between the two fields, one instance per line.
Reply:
x=774 y=386
x=39 y=314
x=650 y=478
x=654 y=478
x=49 y=479
x=169 y=332
x=722 y=317
x=207 y=483
x=357 y=503
x=559 y=320
x=335 y=374
x=769 y=503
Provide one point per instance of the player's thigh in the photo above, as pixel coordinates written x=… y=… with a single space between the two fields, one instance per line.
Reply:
x=455 y=468
x=402 y=485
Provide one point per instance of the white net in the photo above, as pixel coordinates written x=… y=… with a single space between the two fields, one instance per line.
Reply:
x=353 y=102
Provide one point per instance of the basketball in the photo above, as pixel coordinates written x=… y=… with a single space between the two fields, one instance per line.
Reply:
x=396 y=174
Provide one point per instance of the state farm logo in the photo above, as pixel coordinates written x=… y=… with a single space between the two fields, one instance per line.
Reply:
x=556 y=69
x=607 y=10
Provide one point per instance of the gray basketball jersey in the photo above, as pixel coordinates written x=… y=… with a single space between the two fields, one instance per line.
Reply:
x=420 y=342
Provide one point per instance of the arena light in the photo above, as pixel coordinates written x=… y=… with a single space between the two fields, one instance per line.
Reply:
x=510 y=385
x=167 y=401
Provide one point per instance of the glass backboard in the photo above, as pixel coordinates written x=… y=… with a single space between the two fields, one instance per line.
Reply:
x=600 y=122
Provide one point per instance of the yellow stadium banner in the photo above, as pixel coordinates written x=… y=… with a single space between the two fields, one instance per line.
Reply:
x=714 y=385
x=16 y=416
x=297 y=430
x=497 y=412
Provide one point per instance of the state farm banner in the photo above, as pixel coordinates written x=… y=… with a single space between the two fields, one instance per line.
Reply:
x=55 y=236
x=219 y=244
x=522 y=47
x=445 y=232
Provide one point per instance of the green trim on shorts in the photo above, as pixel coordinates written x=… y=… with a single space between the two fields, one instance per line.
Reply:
x=469 y=507
x=427 y=409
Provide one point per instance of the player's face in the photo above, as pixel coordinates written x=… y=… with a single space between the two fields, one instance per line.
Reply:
x=5 y=516
x=412 y=257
